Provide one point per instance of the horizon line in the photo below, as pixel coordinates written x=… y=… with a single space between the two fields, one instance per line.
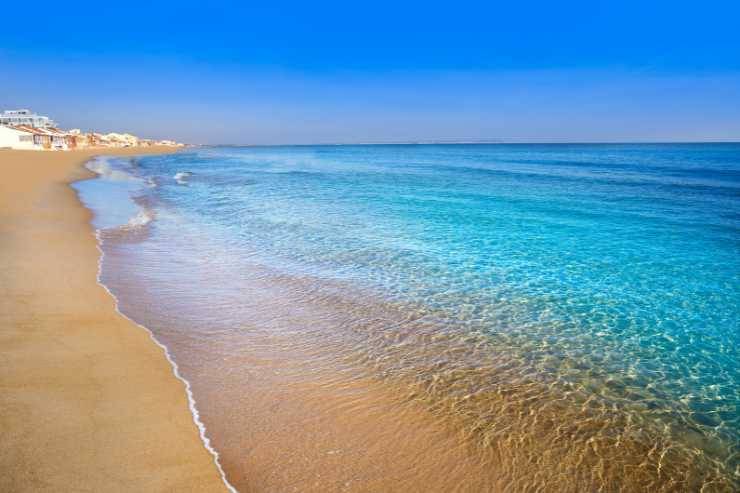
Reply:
x=482 y=142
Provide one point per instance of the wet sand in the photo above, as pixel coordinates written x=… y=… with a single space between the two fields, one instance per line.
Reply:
x=88 y=402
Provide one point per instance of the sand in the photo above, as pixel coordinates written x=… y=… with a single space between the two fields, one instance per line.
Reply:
x=88 y=402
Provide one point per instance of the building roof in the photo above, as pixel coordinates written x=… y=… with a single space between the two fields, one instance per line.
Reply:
x=50 y=131
x=21 y=128
x=55 y=131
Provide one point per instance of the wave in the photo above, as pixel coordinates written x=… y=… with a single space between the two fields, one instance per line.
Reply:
x=182 y=177
x=141 y=219
x=102 y=167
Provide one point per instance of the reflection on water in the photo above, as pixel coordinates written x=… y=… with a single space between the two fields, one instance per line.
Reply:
x=447 y=318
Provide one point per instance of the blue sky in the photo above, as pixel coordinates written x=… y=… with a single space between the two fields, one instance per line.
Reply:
x=303 y=72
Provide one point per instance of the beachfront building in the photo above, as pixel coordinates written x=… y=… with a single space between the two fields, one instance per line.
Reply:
x=60 y=140
x=169 y=143
x=77 y=139
x=21 y=129
x=41 y=138
x=99 y=140
x=36 y=138
x=122 y=140
x=17 y=138
x=25 y=117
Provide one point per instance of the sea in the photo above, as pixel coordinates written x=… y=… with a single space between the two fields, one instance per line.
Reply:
x=483 y=317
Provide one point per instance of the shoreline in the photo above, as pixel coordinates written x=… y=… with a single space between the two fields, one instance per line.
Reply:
x=202 y=432
x=87 y=403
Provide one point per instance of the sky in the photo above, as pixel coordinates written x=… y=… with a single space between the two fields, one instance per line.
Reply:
x=344 y=72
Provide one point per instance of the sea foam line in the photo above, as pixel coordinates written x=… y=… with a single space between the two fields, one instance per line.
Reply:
x=175 y=369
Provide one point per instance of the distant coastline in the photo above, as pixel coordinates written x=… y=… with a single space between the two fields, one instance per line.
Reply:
x=27 y=131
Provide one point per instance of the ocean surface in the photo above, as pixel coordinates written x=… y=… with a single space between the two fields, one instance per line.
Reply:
x=442 y=317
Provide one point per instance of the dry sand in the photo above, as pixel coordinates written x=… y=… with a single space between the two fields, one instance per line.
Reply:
x=88 y=402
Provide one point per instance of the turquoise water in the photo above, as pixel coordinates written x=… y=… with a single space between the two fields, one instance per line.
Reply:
x=607 y=273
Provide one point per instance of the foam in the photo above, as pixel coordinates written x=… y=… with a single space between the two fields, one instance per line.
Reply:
x=182 y=177
x=102 y=167
x=141 y=219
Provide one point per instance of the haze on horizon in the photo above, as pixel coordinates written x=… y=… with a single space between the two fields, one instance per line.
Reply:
x=331 y=72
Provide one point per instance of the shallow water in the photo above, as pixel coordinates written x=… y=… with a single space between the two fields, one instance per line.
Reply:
x=443 y=318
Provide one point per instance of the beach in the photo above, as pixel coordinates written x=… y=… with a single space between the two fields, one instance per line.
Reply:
x=88 y=401
x=370 y=318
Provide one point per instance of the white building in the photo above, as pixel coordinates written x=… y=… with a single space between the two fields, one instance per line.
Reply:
x=59 y=139
x=122 y=140
x=14 y=138
x=25 y=117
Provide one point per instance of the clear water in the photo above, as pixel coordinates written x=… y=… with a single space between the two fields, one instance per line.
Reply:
x=570 y=310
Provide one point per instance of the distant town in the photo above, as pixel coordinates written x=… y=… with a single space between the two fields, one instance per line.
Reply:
x=25 y=130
